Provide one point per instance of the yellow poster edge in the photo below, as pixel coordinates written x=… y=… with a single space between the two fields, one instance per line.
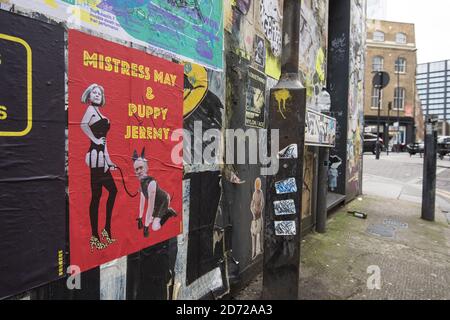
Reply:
x=29 y=88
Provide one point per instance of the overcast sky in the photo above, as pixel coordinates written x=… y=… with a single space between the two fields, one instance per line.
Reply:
x=432 y=23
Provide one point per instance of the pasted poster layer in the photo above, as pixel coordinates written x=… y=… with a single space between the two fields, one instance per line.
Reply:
x=320 y=130
x=32 y=133
x=125 y=189
x=255 y=99
x=189 y=28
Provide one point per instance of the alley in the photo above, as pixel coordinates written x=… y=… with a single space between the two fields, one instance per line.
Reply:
x=411 y=255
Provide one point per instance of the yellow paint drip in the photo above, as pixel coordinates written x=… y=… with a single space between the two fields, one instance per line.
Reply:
x=282 y=96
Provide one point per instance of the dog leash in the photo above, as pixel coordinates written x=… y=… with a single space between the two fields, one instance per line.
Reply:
x=125 y=185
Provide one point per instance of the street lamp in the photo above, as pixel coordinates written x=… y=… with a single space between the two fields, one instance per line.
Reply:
x=397 y=66
x=388 y=127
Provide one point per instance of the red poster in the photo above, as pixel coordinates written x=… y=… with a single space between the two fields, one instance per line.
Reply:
x=125 y=190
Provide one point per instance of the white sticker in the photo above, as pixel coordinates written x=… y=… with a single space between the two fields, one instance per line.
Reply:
x=286 y=186
x=290 y=152
x=284 y=207
x=285 y=228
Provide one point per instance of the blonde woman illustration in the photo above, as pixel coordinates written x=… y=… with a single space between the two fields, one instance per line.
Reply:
x=96 y=127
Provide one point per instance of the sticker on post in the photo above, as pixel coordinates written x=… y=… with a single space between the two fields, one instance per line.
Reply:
x=286 y=186
x=285 y=228
x=284 y=207
x=290 y=152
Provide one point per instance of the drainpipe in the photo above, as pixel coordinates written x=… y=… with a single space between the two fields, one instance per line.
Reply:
x=282 y=224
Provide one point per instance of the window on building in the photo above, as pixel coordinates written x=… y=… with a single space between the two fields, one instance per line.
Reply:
x=399 y=98
x=378 y=36
x=422 y=68
x=435 y=85
x=400 y=38
x=437 y=66
x=377 y=63
x=437 y=74
x=400 y=65
x=438 y=79
x=437 y=90
x=375 y=96
x=398 y=135
x=436 y=95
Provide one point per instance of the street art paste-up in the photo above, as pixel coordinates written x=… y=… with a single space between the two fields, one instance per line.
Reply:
x=157 y=199
x=195 y=87
x=199 y=255
x=285 y=228
x=355 y=99
x=129 y=101
x=270 y=15
x=32 y=133
x=187 y=28
x=286 y=186
x=333 y=172
x=257 y=208
x=255 y=99
x=203 y=111
x=320 y=130
x=260 y=53
x=240 y=25
x=290 y=152
x=284 y=207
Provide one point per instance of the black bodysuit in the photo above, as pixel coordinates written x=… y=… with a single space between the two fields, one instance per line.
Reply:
x=161 y=197
x=100 y=130
x=99 y=178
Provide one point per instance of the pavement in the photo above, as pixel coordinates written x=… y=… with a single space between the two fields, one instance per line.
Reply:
x=399 y=176
x=392 y=255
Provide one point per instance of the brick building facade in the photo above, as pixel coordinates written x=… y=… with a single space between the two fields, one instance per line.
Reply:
x=391 y=48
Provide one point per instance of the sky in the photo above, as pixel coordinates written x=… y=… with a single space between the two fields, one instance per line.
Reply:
x=432 y=24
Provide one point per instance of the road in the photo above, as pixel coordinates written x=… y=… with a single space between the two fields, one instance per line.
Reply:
x=399 y=176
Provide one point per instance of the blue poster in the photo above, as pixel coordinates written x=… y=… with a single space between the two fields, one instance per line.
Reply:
x=189 y=28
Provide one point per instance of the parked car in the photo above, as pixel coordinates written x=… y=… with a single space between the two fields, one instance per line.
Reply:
x=415 y=148
x=443 y=146
x=370 y=143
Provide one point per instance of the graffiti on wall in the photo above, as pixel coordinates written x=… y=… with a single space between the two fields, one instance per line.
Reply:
x=124 y=106
x=188 y=28
x=32 y=133
x=333 y=172
x=313 y=26
x=355 y=98
x=320 y=130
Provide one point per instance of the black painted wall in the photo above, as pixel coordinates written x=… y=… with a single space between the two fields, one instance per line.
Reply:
x=338 y=80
